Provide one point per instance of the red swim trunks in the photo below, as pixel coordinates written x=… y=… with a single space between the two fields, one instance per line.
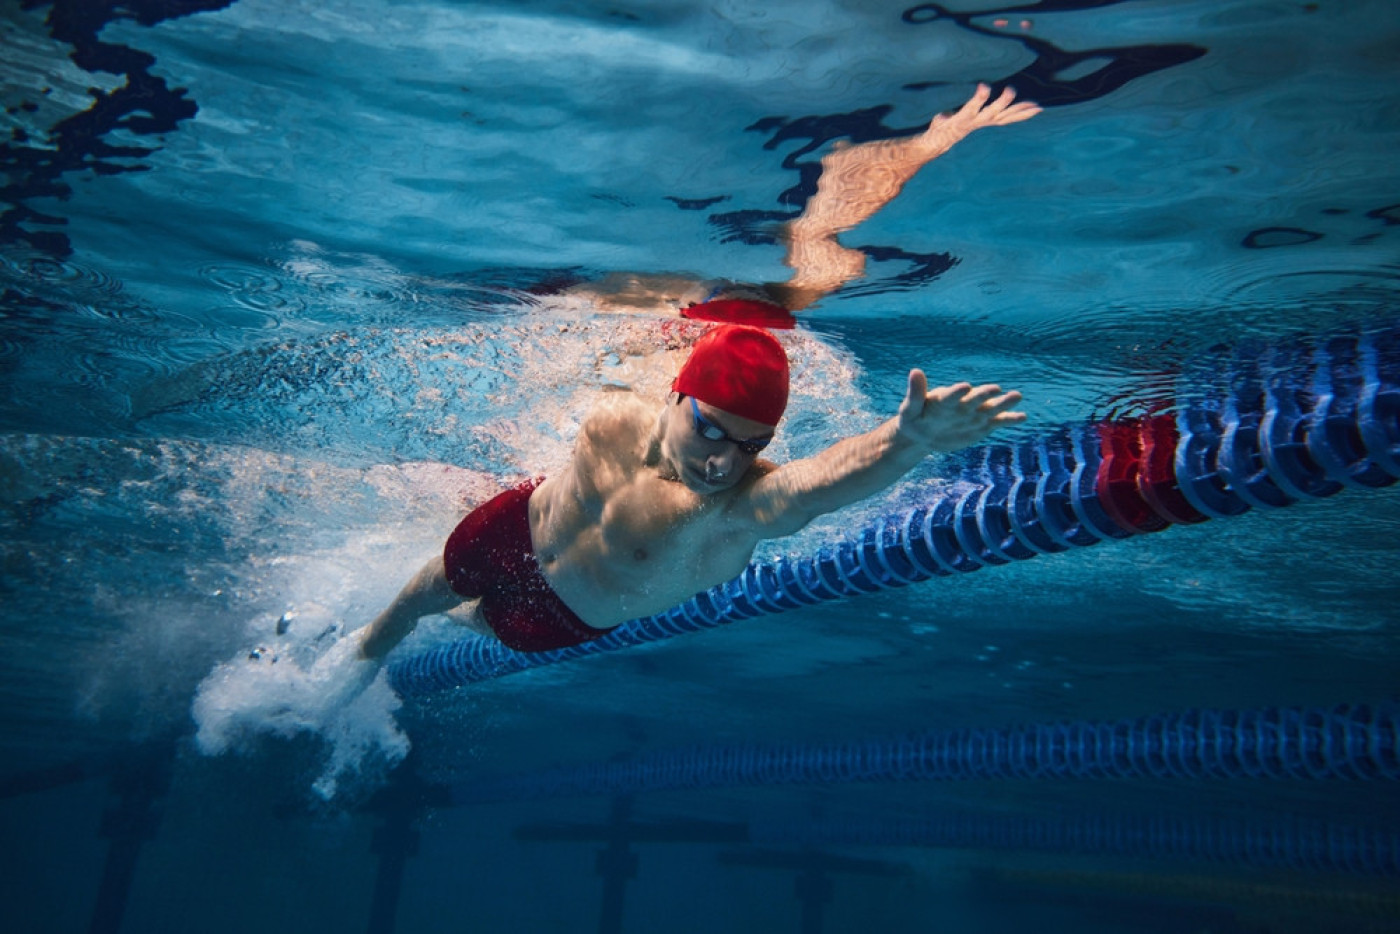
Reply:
x=490 y=555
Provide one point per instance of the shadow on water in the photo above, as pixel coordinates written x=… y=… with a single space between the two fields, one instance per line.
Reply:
x=144 y=105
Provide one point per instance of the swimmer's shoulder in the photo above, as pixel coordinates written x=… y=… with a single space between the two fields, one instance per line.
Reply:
x=740 y=499
x=611 y=445
x=618 y=415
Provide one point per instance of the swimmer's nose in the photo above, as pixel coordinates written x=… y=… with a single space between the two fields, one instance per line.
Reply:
x=722 y=466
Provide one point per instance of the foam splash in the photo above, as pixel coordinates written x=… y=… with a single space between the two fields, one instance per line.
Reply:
x=322 y=687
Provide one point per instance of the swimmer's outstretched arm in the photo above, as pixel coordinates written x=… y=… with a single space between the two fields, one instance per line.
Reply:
x=426 y=594
x=857 y=181
x=944 y=419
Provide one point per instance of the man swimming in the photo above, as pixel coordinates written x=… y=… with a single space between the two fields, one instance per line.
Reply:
x=655 y=507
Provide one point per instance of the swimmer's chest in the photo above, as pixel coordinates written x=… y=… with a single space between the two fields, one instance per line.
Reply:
x=661 y=527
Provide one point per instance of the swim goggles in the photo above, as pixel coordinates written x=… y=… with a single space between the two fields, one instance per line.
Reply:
x=712 y=432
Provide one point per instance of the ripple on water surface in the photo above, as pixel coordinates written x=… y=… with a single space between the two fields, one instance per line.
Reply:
x=253 y=287
x=34 y=266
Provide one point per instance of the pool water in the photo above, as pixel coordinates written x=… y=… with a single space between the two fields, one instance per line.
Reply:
x=279 y=302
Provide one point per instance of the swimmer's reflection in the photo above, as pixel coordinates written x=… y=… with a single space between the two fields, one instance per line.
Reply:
x=657 y=506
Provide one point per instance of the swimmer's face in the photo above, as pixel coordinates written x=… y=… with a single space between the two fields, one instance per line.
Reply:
x=709 y=464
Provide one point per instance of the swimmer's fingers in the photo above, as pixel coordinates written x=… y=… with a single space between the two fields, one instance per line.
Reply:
x=950 y=417
x=988 y=401
x=1006 y=110
x=978 y=113
x=966 y=116
x=999 y=405
x=976 y=102
x=999 y=410
x=996 y=107
x=917 y=395
x=1016 y=113
x=983 y=409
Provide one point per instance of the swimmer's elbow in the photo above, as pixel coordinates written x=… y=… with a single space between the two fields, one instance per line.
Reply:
x=783 y=506
x=782 y=520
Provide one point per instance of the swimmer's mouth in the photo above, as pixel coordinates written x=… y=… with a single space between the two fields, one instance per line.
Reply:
x=701 y=479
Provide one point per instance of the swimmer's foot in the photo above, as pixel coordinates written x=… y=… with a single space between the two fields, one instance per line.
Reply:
x=341 y=673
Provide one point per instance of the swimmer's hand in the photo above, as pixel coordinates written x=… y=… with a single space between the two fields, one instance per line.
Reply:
x=974 y=115
x=953 y=417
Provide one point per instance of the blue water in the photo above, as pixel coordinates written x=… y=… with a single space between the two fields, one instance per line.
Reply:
x=272 y=319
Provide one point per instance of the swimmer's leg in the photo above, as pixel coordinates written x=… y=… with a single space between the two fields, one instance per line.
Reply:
x=426 y=594
x=347 y=668
x=468 y=614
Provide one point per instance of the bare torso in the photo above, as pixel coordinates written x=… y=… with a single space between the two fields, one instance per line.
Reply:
x=618 y=538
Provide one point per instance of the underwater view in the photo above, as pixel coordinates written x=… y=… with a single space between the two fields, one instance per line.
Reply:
x=288 y=288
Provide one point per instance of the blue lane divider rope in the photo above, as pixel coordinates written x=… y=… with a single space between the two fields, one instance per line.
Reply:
x=1348 y=742
x=1298 y=423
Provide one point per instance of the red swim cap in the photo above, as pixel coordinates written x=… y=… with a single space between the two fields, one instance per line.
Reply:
x=739 y=369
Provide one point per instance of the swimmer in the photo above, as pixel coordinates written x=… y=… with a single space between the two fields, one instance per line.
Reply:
x=656 y=506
